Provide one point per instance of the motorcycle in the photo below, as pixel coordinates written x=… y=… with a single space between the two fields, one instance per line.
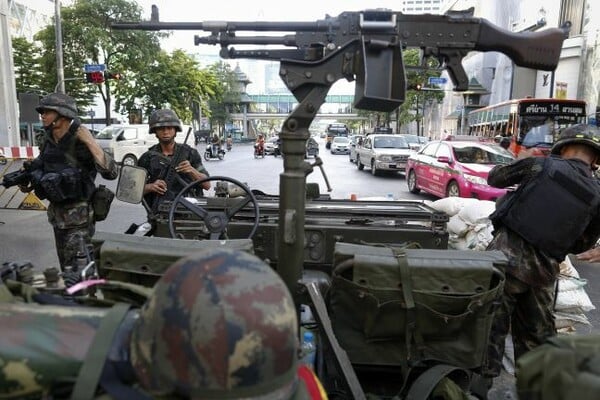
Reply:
x=259 y=151
x=229 y=146
x=212 y=153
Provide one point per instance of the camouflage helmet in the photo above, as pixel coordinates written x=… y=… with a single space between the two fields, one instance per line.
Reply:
x=61 y=103
x=578 y=134
x=219 y=324
x=164 y=117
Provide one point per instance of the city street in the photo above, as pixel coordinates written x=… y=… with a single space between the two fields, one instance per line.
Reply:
x=26 y=234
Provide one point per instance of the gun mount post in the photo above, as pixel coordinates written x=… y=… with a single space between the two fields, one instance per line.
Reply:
x=292 y=186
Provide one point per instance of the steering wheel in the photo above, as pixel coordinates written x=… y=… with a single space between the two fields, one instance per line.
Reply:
x=216 y=221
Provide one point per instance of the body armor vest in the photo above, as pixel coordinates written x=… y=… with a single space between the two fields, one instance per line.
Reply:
x=532 y=211
x=63 y=177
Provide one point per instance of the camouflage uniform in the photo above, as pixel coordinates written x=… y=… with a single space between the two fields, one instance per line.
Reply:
x=527 y=307
x=73 y=218
x=155 y=162
x=218 y=324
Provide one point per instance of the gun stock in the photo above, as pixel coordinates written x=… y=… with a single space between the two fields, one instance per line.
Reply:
x=538 y=50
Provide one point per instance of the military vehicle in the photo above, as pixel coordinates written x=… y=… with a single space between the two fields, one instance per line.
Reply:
x=393 y=310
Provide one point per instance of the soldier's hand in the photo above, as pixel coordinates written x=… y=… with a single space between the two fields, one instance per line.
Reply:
x=159 y=186
x=185 y=167
x=25 y=188
x=592 y=255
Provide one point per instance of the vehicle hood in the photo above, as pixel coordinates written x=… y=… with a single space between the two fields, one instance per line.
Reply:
x=476 y=169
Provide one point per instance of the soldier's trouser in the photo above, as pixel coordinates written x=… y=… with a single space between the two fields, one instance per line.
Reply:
x=70 y=224
x=527 y=313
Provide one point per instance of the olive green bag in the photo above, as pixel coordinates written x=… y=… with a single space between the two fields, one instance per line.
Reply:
x=101 y=201
x=395 y=307
x=565 y=367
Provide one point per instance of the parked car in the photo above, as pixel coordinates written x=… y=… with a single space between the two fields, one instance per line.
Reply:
x=383 y=152
x=312 y=148
x=340 y=145
x=456 y=169
x=355 y=140
x=271 y=145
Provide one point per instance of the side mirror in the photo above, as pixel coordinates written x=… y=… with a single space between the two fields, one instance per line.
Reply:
x=130 y=187
x=444 y=159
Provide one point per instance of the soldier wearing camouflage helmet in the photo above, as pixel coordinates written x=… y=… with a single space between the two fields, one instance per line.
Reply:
x=554 y=211
x=65 y=174
x=165 y=124
x=219 y=324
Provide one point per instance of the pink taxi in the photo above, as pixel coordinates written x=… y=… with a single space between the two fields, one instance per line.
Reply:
x=456 y=168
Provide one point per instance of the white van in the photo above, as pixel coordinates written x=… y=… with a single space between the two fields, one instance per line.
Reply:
x=126 y=143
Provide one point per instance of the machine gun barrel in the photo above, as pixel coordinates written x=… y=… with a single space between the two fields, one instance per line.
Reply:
x=228 y=26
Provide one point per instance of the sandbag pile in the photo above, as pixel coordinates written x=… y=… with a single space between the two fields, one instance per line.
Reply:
x=572 y=302
x=469 y=228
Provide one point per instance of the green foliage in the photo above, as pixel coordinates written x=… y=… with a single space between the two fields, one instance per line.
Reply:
x=222 y=104
x=151 y=77
x=26 y=56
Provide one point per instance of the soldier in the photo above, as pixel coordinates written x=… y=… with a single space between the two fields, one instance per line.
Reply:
x=218 y=324
x=66 y=170
x=165 y=124
x=554 y=211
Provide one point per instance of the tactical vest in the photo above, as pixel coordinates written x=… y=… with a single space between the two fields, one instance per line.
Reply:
x=532 y=210
x=63 y=178
x=159 y=167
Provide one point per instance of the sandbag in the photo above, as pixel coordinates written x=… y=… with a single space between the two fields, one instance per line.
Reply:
x=388 y=306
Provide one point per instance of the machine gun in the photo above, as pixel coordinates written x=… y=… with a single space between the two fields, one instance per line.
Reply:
x=362 y=46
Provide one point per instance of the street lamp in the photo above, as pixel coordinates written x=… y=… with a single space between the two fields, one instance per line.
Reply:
x=60 y=73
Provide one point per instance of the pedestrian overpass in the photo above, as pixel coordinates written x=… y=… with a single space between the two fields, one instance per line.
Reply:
x=279 y=106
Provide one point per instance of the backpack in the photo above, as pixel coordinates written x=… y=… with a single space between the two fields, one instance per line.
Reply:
x=565 y=367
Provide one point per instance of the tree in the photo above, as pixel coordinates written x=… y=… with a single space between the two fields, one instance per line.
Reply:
x=88 y=39
x=28 y=74
x=221 y=103
x=171 y=80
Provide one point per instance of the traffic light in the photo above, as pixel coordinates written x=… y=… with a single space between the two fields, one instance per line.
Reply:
x=96 y=77
x=113 y=75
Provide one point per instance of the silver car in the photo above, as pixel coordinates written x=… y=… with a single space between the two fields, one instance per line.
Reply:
x=355 y=140
x=340 y=145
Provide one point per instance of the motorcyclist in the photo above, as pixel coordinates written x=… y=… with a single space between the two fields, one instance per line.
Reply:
x=215 y=145
x=229 y=143
x=259 y=146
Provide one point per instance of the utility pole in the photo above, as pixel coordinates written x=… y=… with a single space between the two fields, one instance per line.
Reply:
x=9 y=114
x=60 y=71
